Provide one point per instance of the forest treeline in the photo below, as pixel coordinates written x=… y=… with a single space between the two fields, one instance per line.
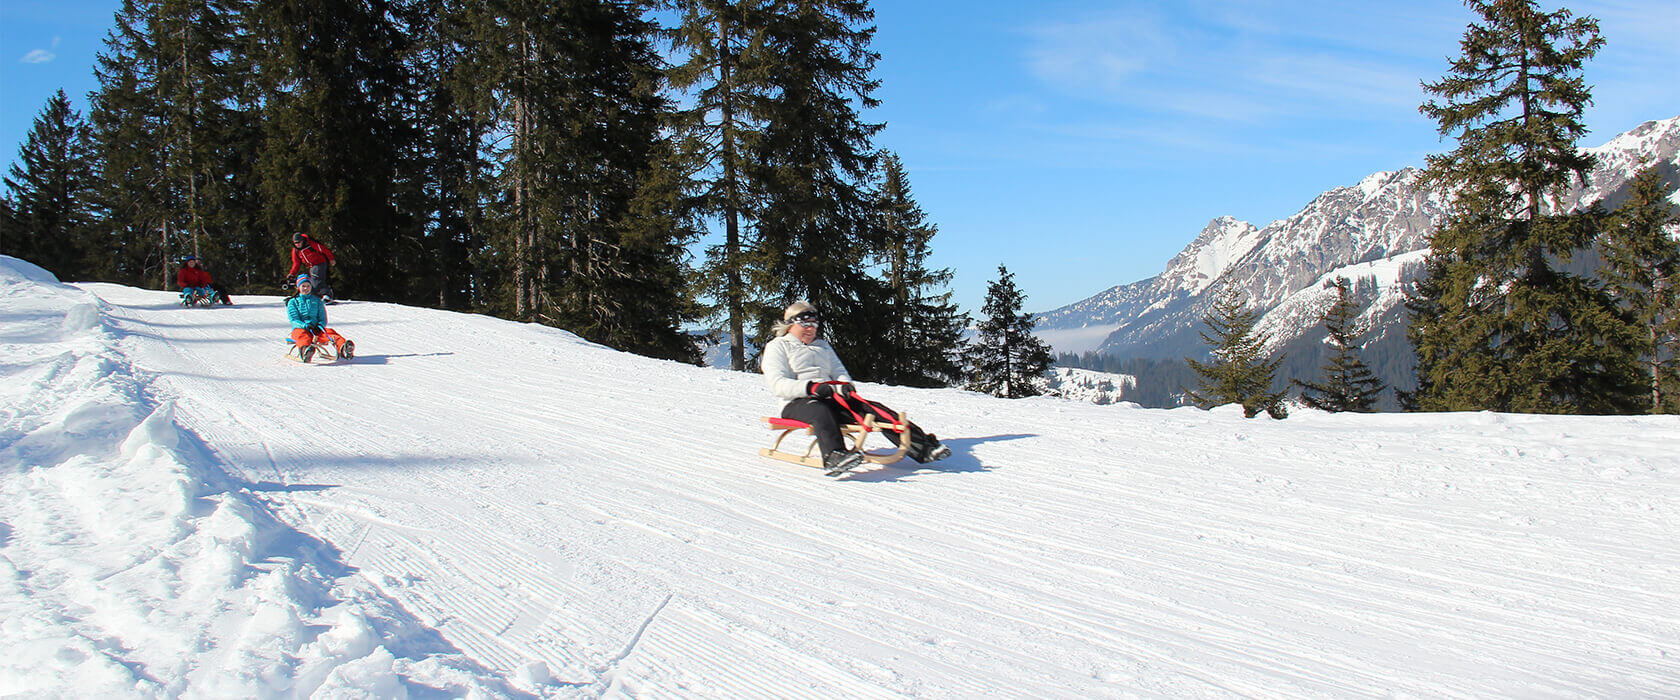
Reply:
x=618 y=169
x=623 y=169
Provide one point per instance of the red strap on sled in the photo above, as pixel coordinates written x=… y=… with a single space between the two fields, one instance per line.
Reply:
x=841 y=399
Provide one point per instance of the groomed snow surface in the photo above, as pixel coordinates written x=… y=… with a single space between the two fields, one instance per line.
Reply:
x=479 y=508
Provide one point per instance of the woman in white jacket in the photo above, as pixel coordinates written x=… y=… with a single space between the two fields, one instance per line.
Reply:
x=798 y=367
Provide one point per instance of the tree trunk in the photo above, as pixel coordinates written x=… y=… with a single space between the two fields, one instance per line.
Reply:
x=733 y=294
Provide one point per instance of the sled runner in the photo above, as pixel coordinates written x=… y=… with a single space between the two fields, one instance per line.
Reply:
x=855 y=432
x=321 y=351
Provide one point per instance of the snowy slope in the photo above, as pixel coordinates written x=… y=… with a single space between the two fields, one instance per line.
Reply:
x=482 y=508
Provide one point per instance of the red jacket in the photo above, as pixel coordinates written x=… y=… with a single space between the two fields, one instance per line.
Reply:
x=192 y=277
x=310 y=255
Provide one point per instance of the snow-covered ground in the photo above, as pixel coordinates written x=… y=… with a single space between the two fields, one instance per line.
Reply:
x=481 y=508
x=1089 y=386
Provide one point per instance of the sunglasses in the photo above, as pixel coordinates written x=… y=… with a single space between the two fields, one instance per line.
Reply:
x=808 y=320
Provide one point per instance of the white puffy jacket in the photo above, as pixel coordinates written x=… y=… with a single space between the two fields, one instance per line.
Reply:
x=790 y=365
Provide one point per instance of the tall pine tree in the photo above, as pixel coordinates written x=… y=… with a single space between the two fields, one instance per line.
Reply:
x=1641 y=252
x=49 y=193
x=133 y=197
x=330 y=75
x=584 y=223
x=1348 y=384
x=727 y=74
x=447 y=174
x=1006 y=359
x=812 y=162
x=1496 y=324
x=199 y=76
x=1238 y=370
x=174 y=122
x=924 y=329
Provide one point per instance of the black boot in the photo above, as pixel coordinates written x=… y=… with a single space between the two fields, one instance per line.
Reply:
x=840 y=461
x=927 y=448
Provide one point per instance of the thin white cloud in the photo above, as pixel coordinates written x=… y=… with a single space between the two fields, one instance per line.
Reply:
x=42 y=55
x=1218 y=62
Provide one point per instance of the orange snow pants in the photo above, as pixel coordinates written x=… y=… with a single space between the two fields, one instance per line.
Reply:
x=303 y=338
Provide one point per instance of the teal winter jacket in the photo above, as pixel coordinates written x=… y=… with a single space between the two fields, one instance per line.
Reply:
x=306 y=310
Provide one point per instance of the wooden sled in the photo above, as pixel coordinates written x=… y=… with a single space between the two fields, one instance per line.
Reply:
x=855 y=432
x=191 y=300
x=324 y=352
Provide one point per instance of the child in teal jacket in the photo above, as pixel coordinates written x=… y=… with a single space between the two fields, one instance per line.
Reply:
x=309 y=323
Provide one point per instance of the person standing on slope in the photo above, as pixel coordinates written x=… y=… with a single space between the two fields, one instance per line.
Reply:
x=309 y=323
x=193 y=279
x=798 y=367
x=310 y=256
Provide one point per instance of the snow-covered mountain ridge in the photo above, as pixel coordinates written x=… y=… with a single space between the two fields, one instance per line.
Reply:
x=487 y=509
x=1367 y=229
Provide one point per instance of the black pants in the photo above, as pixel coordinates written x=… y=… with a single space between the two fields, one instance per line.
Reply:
x=321 y=276
x=221 y=292
x=826 y=416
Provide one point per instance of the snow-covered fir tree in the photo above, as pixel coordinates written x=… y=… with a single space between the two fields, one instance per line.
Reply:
x=1238 y=370
x=924 y=329
x=1496 y=322
x=1642 y=268
x=1348 y=384
x=48 y=193
x=1006 y=359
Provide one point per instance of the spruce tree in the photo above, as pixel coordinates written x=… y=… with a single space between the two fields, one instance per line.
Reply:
x=1496 y=325
x=331 y=75
x=1006 y=359
x=134 y=197
x=8 y=219
x=1348 y=384
x=1642 y=267
x=726 y=74
x=175 y=126
x=924 y=329
x=444 y=179
x=811 y=164
x=49 y=193
x=584 y=222
x=199 y=75
x=1238 y=371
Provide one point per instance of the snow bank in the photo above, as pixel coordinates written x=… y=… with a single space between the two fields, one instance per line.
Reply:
x=128 y=567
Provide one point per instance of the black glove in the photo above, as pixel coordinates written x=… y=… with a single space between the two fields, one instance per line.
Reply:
x=827 y=390
x=315 y=330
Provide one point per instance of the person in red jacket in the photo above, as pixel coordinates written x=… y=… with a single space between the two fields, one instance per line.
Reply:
x=310 y=256
x=195 y=281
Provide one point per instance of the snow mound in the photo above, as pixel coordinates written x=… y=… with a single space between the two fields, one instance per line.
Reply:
x=129 y=568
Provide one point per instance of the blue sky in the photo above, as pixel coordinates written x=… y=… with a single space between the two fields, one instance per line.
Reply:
x=1083 y=142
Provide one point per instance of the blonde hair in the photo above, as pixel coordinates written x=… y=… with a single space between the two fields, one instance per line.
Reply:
x=794 y=309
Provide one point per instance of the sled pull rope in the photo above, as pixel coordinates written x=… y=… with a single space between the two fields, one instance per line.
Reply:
x=894 y=422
